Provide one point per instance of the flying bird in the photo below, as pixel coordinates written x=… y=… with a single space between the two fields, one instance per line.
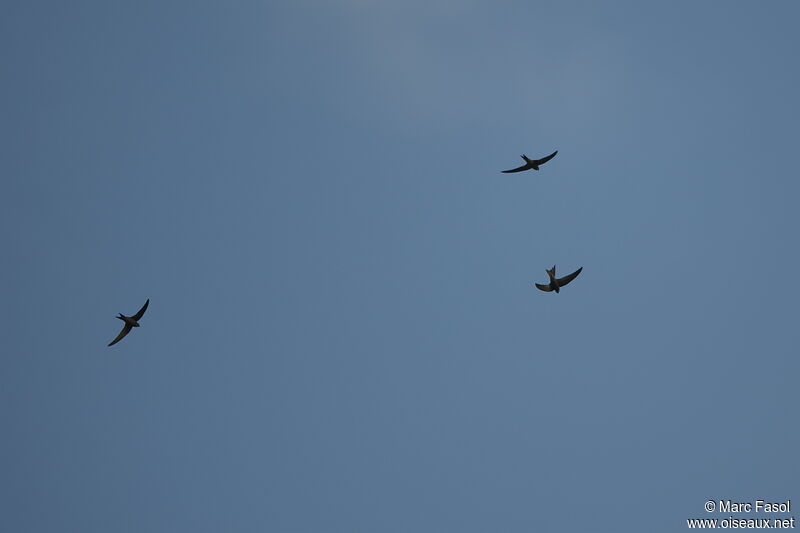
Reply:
x=556 y=283
x=531 y=163
x=130 y=322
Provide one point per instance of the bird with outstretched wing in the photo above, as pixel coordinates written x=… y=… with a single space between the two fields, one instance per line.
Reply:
x=531 y=163
x=556 y=283
x=130 y=322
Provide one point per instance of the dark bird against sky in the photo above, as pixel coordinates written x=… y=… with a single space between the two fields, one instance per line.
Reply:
x=130 y=322
x=531 y=163
x=556 y=283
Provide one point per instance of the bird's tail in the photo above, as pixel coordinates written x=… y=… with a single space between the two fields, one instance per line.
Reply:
x=525 y=157
x=552 y=272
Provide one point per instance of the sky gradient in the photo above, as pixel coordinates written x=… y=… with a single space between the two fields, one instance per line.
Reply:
x=343 y=333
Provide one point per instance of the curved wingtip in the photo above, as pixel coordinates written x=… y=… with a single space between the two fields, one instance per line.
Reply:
x=526 y=166
x=125 y=330
x=141 y=311
x=566 y=279
x=545 y=159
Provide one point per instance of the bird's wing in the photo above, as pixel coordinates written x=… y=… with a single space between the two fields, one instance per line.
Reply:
x=125 y=330
x=545 y=288
x=544 y=160
x=518 y=169
x=139 y=315
x=566 y=279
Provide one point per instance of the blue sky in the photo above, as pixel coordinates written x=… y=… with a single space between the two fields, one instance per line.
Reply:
x=343 y=332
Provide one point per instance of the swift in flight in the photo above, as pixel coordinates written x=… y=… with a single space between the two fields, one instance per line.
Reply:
x=556 y=283
x=531 y=163
x=130 y=322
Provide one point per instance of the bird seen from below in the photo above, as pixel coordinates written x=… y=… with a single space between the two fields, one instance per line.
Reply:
x=130 y=322
x=556 y=283
x=531 y=163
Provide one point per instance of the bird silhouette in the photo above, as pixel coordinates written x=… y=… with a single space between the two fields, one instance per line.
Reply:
x=130 y=322
x=556 y=283
x=531 y=163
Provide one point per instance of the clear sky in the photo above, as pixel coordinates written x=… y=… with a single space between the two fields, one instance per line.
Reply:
x=343 y=333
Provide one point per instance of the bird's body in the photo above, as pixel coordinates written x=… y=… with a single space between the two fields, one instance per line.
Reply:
x=555 y=284
x=553 y=280
x=130 y=322
x=531 y=164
